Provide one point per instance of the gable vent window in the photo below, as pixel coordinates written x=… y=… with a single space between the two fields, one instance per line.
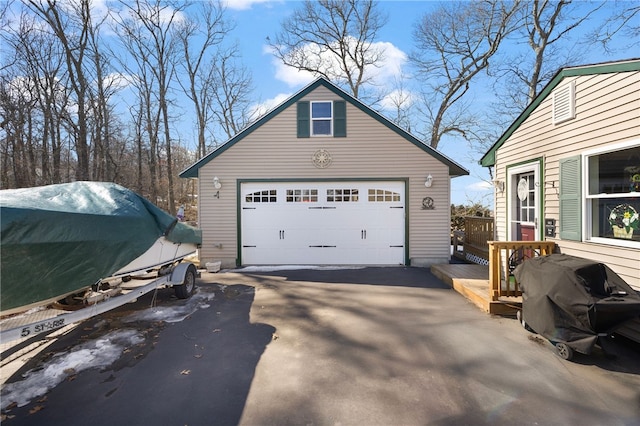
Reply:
x=564 y=107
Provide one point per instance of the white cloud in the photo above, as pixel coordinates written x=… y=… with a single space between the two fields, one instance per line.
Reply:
x=291 y=76
x=119 y=80
x=258 y=110
x=480 y=186
x=397 y=98
x=243 y=4
x=392 y=63
x=390 y=68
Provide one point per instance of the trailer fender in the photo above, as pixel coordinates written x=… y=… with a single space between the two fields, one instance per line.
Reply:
x=183 y=278
x=179 y=273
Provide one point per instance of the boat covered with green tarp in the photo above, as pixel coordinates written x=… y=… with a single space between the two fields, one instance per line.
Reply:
x=59 y=239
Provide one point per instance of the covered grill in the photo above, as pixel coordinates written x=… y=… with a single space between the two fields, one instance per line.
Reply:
x=573 y=302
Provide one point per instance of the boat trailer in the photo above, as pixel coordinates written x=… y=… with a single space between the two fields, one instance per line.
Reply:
x=106 y=295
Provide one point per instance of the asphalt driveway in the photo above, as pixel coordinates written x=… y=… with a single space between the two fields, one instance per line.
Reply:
x=372 y=346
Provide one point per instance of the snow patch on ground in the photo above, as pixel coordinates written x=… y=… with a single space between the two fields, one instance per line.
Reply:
x=175 y=312
x=97 y=353
x=292 y=268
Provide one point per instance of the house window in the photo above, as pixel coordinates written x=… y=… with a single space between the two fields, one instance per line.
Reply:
x=613 y=195
x=324 y=118
x=321 y=118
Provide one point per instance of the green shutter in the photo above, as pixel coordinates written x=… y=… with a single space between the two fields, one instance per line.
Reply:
x=570 y=199
x=339 y=119
x=304 y=125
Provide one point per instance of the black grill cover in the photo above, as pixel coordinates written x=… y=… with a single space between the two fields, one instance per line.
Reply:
x=569 y=299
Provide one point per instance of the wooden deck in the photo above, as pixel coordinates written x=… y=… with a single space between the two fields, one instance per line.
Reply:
x=472 y=281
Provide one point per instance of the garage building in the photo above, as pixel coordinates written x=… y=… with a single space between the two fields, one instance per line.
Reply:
x=324 y=180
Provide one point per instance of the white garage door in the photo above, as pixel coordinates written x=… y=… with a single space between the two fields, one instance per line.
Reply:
x=323 y=223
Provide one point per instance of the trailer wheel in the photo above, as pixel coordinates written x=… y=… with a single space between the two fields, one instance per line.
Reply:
x=564 y=351
x=188 y=286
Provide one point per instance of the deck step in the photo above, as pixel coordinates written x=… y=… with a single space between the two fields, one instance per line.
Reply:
x=472 y=281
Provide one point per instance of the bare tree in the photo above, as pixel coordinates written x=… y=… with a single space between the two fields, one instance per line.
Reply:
x=546 y=23
x=70 y=26
x=201 y=85
x=148 y=30
x=233 y=84
x=624 y=21
x=333 y=39
x=34 y=79
x=399 y=101
x=16 y=105
x=547 y=27
x=454 y=44
x=104 y=166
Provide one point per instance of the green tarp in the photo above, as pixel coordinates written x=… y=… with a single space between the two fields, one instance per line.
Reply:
x=60 y=238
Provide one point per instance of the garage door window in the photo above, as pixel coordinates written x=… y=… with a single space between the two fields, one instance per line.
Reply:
x=383 y=195
x=266 y=196
x=342 y=195
x=302 y=195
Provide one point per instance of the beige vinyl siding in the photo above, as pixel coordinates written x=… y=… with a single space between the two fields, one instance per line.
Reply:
x=607 y=112
x=370 y=151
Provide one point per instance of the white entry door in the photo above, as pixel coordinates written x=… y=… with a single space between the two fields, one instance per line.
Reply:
x=323 y=223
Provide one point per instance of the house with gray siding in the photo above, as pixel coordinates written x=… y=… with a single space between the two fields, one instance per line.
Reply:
x=323 y=179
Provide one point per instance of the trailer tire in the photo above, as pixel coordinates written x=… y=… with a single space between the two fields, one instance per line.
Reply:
x=188 y=286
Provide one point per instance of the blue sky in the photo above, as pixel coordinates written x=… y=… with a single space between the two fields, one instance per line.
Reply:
x=257 y=19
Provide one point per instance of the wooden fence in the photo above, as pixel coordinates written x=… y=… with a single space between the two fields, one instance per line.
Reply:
x=478 y=231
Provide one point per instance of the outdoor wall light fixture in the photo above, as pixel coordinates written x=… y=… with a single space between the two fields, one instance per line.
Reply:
x=217 y=185
x=498 y=185
x=429 y=181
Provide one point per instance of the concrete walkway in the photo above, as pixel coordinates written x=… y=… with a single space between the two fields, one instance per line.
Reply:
x=373 y=346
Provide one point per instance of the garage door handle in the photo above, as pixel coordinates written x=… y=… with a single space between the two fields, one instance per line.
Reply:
x=249 y=246
x=282 y=235
x=322 y=246
x=321 y=208
x=397 y=246
x=363 y=234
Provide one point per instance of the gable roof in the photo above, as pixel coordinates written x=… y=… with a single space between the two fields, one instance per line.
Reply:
x=454 y=168
x=489 y=159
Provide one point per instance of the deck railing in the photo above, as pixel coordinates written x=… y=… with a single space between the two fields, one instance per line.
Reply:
x=504 y=256
x=478 y=231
